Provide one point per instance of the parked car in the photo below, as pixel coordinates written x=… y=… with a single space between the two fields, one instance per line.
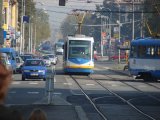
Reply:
x=25 y=57
x=114 y=57
x=5 y=61
x=53 y=58
x=34 y=69
x=46 y=60
x=19 y=63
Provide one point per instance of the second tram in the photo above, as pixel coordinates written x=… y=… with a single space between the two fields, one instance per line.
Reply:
x=78 y=54
x=144 y=60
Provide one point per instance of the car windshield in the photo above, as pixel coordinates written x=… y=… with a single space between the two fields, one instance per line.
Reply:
x=51 y=56
x=34 y=63
x=46 y=57
x=25 y=57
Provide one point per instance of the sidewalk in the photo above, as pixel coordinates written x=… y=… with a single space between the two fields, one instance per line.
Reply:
x=119 y=68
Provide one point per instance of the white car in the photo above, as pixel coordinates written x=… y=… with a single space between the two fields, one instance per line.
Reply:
x=46 y=60
x=53 y=58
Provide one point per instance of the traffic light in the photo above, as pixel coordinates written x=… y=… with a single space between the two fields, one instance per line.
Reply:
x=62 y=2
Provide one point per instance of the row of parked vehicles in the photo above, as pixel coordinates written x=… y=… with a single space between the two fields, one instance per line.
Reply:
x=31 y=66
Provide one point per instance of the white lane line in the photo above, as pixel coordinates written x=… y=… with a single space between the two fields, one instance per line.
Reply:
x=114 y=85
x=12 y=92
x=55 y=80
x=15 y=83
x=33 y=83
x=142 y=86
x=56 y=93
x=106 y=68
x=33 y=92
x=67 y=83
x=90 y=84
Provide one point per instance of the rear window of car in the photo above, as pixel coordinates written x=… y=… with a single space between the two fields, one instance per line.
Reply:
x=34 y=63
x=51 y=56
x=46 y=57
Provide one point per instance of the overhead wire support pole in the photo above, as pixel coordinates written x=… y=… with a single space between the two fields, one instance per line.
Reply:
x=21 y=38
x=132 y=20
x=119 y=51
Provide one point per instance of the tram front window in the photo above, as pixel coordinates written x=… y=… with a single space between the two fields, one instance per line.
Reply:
x=79 y=49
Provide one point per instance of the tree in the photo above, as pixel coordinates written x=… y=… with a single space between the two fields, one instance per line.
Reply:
x=152 y=17
x=39 y=18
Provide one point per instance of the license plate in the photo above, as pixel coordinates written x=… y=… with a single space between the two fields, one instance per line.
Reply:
x=34 y=74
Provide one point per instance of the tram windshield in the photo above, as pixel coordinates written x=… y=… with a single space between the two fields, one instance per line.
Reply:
x=79 y=49
x=145 y=51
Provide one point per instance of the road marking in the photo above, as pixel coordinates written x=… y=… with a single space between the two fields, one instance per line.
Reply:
x=33 y=83
x=90 y=84
x=55 y=79
x=57 y=93
x=142 y=86
x=12 y=92
x=106 y=68
x=67 y=83
x=15 y=83
x=33 y=92
x=114 y=85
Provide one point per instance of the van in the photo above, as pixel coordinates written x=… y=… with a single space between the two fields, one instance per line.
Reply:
x=11 y=54
x=5 y=60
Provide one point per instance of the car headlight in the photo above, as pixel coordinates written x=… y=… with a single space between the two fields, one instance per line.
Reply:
x=42 y=71
x=26 y=70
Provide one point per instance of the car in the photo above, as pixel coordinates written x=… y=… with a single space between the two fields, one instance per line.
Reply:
x=5 y=61
x=53 y=58
x=34 y=69
x=46 y=60
x=19 y=63
x=114 y=57
x=25 y=57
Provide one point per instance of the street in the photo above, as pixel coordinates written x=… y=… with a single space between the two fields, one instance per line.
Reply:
x=116 y=96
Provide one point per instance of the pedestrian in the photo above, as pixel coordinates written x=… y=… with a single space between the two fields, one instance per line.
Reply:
x=38 y=114
x=6 y=113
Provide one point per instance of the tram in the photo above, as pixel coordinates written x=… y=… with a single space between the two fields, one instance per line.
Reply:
x=144 y=60
x=78 y=54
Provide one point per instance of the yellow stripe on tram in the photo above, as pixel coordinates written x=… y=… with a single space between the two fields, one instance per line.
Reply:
x=76 y=66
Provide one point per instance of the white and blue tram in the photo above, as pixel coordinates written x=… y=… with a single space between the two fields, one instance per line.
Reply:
x=78 y=54
x=144 y=60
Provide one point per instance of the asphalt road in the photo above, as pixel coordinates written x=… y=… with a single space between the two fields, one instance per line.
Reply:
x=65 y=91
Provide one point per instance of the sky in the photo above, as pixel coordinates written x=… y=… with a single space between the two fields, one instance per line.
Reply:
x=58 y=13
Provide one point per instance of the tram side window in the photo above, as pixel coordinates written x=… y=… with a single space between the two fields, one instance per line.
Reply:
x=142 y=51
x=133 y=52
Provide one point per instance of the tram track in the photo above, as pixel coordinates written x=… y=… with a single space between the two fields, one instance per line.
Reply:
x=97 y=108
x=129 y=101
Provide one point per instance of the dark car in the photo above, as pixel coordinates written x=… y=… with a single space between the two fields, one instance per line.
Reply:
x=114 y=57
x=25 y=57
x=34 y=69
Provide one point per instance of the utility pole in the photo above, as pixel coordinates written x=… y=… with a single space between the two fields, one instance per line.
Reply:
x=24 y=7
x=21 y=38
x=133 y=20
x=101 y=37
x=119 y=51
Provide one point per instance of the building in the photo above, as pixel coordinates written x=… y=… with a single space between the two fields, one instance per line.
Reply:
x=9 y=21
